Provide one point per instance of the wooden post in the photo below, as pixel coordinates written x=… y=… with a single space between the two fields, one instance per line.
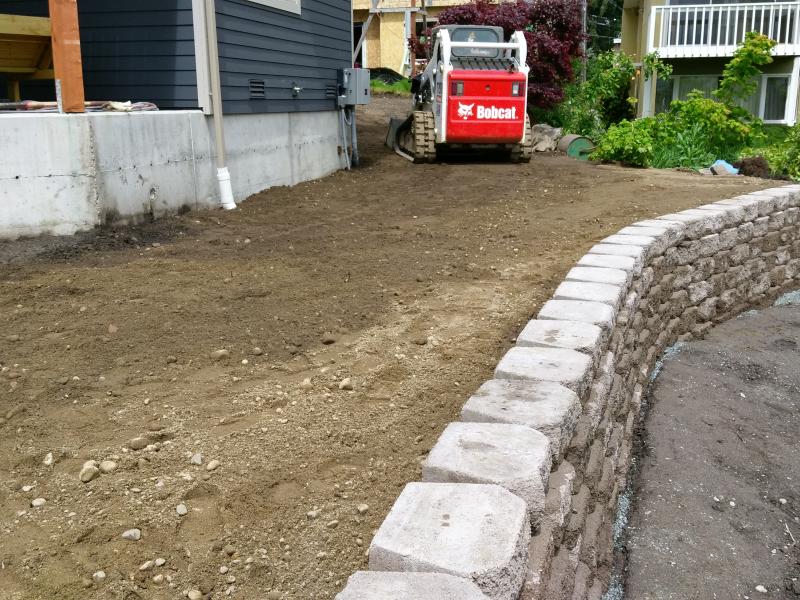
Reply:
x=67 y=55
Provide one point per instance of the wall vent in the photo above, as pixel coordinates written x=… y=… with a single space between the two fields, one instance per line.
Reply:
x=331 y=90
x=258 y=89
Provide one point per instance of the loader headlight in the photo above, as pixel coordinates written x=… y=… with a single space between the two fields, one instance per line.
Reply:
x=456 y=88
x=517 y=88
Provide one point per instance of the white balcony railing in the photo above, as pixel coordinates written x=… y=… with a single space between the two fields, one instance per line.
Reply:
x=717 y=29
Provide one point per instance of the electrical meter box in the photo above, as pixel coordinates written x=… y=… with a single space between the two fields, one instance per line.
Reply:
x=353 y=87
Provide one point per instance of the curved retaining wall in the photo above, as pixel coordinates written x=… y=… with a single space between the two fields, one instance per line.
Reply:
x=518 y=498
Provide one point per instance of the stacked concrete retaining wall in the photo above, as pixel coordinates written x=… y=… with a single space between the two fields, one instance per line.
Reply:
x=66 y=173
x=519 y=497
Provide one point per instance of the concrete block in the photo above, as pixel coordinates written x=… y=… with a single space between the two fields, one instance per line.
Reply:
x=637 y=253
x=374 y=585
x=540 y=554
x=542 y=405
x=590 y=292
x=599 y=275
x=582 y=311
x=512 y=456
x=475 y=531
x=567 y=367
x=609 y=261
x=583 y=337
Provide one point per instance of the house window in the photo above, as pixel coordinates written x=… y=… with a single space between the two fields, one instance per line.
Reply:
x=292 y=6
x=768 y=102
x=776 y=90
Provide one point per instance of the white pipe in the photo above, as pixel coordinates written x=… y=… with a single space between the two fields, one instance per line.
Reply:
x=223 y=174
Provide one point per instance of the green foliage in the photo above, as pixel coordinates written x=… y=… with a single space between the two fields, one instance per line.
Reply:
x=725 y=130
x=629 y=142
x=603 y=99
x=653 y=65
x=687 y=149
x=400 y=88
x=784 y=157
x=739 y=75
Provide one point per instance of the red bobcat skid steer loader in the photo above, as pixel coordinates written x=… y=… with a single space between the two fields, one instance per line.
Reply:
x=472 y=95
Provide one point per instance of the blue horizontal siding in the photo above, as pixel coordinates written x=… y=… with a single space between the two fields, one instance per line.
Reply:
x=139 y=51
x=283 y=49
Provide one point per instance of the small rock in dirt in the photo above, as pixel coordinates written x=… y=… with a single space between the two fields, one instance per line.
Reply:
x=182 y=510
x=12 y=338
x=312 y=514
x=172 y=360
x=230 y=579
x=346 y=384
x=99 y=576
x=220 y=354
x=328 y=338
x=362 y=509
x=257 y=351
x=306 y=383
x=113 y=329
x=138 y=443
x=160 y=562
x=48 y=460
x=26 y=488
x=420 y=340
x=108 y=466
x=195 y=595
x=146 y=566
x=213 y=465
x=37 y=502
x=332 y=524
x=761 y=589
x=223 y=569
x=158 y=578
x=229 y=550
x=197 y=459
x=88 y=473
x=133 y=535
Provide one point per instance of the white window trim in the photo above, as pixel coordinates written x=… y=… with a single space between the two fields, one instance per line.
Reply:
x=292 y=6
x=762 y=99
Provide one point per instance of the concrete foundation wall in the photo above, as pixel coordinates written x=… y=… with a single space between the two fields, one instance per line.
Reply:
x=66 y=173
x=580 y=373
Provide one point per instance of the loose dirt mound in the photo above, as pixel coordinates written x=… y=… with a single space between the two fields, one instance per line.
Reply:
x=407 y=280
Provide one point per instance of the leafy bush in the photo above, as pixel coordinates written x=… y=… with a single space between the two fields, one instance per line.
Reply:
x=784 y=158
x=629 y=142
x=739 y=77
x=552 y=29
x=400 y=88
x=686 y=149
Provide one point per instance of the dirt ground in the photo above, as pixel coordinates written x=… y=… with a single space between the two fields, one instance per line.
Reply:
x=405 y=282
x=717 y=510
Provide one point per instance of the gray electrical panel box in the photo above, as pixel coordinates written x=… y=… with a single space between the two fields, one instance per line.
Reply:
x=353 y=87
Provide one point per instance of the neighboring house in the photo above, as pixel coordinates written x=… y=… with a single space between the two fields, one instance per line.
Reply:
x=698 y=38
x=386 y=44
x=279 y=65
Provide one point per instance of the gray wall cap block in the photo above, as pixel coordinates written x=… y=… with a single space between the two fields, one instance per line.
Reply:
x=731 y=215
x=596 y=313
x=676 y=226
x=599 y=275
x=591 y=292
x=573 y=335
x=476 y=531
x=567 y=367
x=635 y=252
x=630 y=239
x=377 y=585
x=625 y=263
x=543 y=405
x=513 y=456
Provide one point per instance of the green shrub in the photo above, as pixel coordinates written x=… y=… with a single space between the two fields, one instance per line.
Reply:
x=400 y=88
x=629 y=142
x=687 y=149
x=784 y=158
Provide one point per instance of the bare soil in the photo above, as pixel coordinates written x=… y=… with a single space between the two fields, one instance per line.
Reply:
x=717 y=508
x=409 y=280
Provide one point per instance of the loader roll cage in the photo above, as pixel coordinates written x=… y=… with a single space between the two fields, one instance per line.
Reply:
x=514 y=51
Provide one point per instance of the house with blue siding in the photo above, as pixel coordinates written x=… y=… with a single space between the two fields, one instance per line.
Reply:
x=279 y=64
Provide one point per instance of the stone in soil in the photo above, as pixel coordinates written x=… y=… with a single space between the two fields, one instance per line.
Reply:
x=182 y=510
x=133 y=535
x=108 y=466
x=138 y=443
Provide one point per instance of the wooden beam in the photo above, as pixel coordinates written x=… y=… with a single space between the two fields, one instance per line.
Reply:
x=67 y=54
x=13 y=90
x=19 y=25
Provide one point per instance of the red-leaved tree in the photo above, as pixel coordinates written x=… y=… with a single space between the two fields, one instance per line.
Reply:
x=552 y=29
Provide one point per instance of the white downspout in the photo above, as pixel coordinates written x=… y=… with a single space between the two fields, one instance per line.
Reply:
x=223 y=174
